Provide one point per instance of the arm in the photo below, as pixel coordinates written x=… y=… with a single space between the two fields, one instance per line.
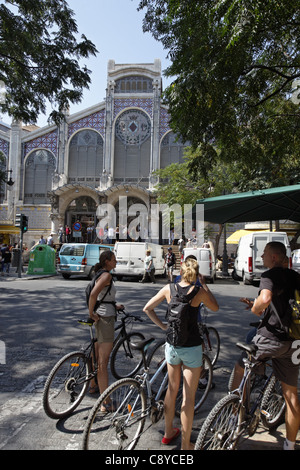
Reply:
x=261 y=302
x=153 y=303
x=206 y=296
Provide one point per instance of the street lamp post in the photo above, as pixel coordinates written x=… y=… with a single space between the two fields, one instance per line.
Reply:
x=225 y=255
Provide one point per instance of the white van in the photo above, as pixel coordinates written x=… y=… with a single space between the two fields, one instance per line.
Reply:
x=130 y=258
x=296 y=260
x=248 y=264
x=206 y=261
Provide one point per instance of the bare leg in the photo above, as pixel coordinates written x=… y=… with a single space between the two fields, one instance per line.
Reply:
x=104 y=350
x=292 y=415
x=191 y=378
x=174 y=373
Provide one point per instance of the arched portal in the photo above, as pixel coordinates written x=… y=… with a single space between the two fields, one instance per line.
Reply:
x=80 y=216
x=132 y=219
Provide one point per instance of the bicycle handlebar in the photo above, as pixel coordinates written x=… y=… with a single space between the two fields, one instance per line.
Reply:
x=130 y=315
x=89 y=321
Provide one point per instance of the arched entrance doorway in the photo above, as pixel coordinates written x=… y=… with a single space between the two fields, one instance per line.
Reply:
x=135 y=224
x=81 y=218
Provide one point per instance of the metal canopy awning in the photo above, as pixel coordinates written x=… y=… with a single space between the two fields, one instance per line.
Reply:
x=281 y=203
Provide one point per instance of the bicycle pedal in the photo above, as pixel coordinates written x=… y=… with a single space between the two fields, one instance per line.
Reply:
x=265 y=413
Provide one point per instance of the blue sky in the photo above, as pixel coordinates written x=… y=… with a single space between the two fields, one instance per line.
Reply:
x=115 y=27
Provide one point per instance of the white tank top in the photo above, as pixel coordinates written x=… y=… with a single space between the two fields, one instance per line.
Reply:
x=107 y=309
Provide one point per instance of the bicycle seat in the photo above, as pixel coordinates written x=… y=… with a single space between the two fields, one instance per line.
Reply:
x=141 y=345
x=88 y=321
x=249 y=348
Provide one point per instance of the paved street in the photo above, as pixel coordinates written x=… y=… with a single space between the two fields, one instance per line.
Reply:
x=38 y=325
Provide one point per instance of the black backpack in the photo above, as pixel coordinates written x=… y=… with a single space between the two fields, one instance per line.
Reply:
x=293 y=329
x=90 y=287
x=178 y=315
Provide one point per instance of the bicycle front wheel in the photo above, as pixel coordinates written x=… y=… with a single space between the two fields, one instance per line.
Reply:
x=66 y=385
x=126 y=361
x=117 y=419
x=220 y=430
x=203 y=388
x=273 y=405
x=211 y=340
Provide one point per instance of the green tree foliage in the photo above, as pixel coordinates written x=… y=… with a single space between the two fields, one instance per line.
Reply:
x=40 y=51
x=234 y=65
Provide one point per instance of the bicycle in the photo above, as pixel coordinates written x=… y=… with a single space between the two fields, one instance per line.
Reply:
x=69 y=379
x=240 y=411
x=118 y=418
x=210 y=336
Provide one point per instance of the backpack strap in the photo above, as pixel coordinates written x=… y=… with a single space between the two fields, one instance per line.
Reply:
x=174 y=291
x=99 y=302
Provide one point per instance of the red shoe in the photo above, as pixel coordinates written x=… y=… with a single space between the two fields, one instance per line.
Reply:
x=167 y=441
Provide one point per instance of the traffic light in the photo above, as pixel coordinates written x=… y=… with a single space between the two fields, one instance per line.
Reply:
x=24 y=226
x=18 y=221
x=22 y=222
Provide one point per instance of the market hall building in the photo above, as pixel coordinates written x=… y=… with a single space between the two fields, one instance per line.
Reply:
x=62 y=174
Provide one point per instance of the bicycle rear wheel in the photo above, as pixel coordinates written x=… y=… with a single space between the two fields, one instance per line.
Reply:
x=117 y=419
x=203 y=388
x=126 y=361
x=211 y=340
x=221 y=428
x=66 y=385
x=273 y=405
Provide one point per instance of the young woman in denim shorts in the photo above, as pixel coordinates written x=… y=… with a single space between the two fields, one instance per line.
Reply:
x=187 y=358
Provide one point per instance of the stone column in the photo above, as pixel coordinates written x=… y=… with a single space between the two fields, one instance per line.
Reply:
x=14 y=164
x=108 y=145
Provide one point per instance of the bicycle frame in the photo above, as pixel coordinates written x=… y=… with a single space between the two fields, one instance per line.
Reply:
x=244 y=390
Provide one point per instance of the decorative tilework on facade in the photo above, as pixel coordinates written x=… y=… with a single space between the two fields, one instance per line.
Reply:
x=46 y=141
x=144 y=103
x=95 y=121
x=164 y=125
x=38 y=216
x=4 y=147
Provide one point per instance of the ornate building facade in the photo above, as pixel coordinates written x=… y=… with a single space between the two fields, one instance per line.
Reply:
x=63 y=174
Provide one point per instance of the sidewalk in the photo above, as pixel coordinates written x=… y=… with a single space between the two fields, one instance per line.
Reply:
x=13 y=275
x=24 y=425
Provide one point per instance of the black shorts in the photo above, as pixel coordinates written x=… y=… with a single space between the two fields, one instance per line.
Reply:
x=281 y=353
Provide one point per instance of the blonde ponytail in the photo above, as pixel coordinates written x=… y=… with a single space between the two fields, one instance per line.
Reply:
x=189 y=270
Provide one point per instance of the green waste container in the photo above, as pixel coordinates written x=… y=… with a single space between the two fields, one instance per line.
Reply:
x=42 y=260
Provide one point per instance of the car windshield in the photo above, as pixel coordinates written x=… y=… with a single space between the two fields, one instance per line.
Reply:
x=72 y=250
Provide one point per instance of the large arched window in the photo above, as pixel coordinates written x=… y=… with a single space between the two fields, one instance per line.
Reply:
x=86 y=158
x=39 y=169
x=171 y=150
x=132 y=147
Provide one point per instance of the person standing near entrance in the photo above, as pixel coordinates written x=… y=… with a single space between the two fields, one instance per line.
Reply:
x=170 y=261
x=68 y=233
x=50 y=241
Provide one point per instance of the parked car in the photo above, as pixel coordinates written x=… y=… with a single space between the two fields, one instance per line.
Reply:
x=248 y=264
x=79 y=258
